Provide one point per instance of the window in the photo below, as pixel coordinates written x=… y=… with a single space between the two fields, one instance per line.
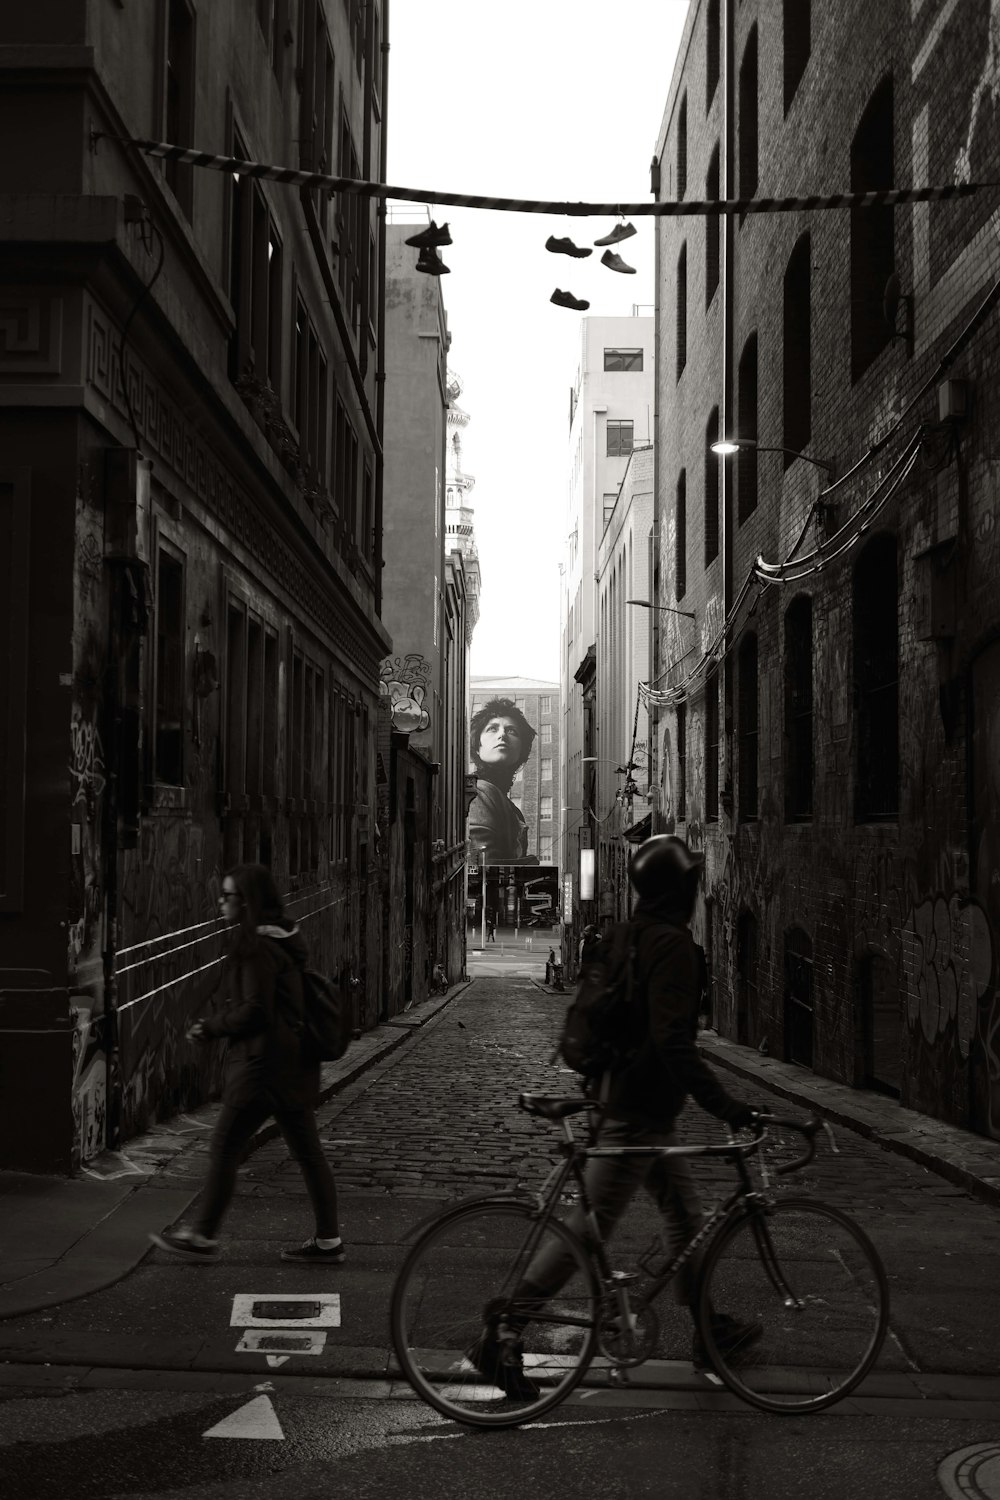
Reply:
x=682 y=149
x=872 y=237
x=619 y=439
x=749 y=727
x=352 y=210
x=519 y=703
x=273 y=18
x=713 y=40
x=545 y=809
x=368 y=516
x=680 y=536
x=623 y=359
x=711 y=489
x=712 y=748
x=748 y=148
x=255 y=285
x=610 y=500
x=545 y=773
x=168 y=753
x=682 y=310
x=316 y=85
x=876 y=673
x=681 y=762
x=178 y=103
x=797 y=350
x=545 y=704
x=545 y=850
x=713 y=230
x=797 y=25
x=746 y=419
x=305 y=760
x=798 y=710
x=545 y=734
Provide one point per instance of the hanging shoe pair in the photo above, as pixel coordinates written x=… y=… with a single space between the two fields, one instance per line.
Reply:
x=431 y=263
x=566 y=247
x=619 y=233
x=566 y=299
x=615 y=263
x=431 y=238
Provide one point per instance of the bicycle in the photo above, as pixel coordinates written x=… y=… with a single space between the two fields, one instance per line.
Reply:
x=802 y=1269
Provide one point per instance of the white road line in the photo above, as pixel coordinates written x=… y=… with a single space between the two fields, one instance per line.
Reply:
x=257 y=1420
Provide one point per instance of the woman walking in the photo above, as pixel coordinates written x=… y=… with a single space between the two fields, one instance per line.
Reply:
x=267 y=1071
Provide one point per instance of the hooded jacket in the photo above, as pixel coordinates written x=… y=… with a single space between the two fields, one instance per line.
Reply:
x=262 y=1023
x=652 y=1087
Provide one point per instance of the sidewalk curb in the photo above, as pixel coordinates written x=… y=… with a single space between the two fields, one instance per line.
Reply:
x=95 y=1261
x=823 y=1096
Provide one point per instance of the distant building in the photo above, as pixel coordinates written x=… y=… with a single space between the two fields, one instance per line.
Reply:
x=610 y=414
x=536 y=786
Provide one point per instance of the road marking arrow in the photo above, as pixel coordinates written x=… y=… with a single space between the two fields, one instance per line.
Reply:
x=255 y=1420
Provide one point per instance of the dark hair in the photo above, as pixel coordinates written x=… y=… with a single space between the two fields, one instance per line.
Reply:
x=508 y=709
x=259 y=903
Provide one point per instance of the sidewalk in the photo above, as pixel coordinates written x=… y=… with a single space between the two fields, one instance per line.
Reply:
x=65 y=1237
x=970 y=1161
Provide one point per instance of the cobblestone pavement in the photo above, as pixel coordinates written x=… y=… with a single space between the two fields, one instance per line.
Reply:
x=440 y=1120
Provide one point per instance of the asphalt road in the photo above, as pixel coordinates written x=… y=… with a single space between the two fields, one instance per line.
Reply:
x=117 y=1393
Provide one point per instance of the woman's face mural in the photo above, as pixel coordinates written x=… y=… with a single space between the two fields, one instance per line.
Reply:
x=500 y=743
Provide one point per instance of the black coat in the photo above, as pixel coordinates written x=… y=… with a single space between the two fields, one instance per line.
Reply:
x=652 y=1087
x=261 y=1020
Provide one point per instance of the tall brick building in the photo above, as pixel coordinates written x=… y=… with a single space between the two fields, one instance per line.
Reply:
x=831 y=739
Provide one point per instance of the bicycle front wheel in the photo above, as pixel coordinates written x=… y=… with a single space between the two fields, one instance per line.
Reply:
x=457 y=1288
x=810 y=1285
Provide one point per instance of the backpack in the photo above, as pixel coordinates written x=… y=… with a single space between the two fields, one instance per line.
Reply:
x=601 y=1028
x=328 y=1022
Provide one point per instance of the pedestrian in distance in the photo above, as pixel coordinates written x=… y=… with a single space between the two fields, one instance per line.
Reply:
x=643 y=1097
x=269 y=1069
x=491 y=927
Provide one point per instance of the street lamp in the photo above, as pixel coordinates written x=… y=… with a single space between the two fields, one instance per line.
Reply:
x=725 y=446
x=666 y=608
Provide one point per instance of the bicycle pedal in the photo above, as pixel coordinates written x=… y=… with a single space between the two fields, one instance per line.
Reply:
x=624 y=1278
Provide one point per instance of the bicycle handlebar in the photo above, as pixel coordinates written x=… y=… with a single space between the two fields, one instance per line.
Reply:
x=809 y=1128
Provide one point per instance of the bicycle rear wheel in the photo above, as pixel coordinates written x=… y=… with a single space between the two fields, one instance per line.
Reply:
x=458 y=1283
x=813 y=1282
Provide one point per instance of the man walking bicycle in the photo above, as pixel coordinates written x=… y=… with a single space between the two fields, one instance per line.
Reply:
x=645 y=1094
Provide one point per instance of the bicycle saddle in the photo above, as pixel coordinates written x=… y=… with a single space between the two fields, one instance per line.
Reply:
x=554 y=1109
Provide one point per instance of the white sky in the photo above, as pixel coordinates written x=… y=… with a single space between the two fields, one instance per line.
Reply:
x=549 y=99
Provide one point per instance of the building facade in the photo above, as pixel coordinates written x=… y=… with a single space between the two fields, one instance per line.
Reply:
x=190 y=533
x=828 y=720
x=620 y=782
x=425 y=677
x=536 y=785
x=611 y=412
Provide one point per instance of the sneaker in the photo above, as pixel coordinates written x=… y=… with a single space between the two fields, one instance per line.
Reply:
x=431 y=263
x=731 y=1337
x=314 y=1255
x=566 y=247
x=566 y=299
x=619 y=233
x=615 y=263
x=503 y=1366
x=431 y=237
x=186 y=1244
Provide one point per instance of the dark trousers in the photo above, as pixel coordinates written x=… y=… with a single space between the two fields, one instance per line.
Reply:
x=611 y=1185
x=233 y=1131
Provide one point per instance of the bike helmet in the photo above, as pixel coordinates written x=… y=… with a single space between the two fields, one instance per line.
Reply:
x=664 y=867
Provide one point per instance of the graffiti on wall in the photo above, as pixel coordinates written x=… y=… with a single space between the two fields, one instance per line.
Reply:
x=89 y=1092
x=403 y=683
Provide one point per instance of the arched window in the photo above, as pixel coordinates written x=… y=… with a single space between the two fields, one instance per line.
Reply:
x=713 y=229
x=711 y=489
x=682 y=310
x=872 y=241
x=749 y=727
x=713 y=40
x=797 y=30
x=746 y=419
x=876 y=681
x=680 y=537
x=798 y=997
x=798 y=710
x=747 y=118
x=797 y=349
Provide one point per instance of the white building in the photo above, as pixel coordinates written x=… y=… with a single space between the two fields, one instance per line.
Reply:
x=611 y=412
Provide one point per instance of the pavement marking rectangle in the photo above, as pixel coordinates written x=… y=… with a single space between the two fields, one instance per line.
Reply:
x=286 y=1310
x=281 y=1341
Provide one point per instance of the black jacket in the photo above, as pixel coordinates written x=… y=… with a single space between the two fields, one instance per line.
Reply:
x=262 y=1019
x=652 y=1087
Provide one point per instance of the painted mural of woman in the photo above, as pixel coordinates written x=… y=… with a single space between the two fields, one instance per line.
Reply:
x=500 y=740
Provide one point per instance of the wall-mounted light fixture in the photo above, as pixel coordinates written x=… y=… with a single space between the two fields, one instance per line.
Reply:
x=667 y=609
x=725 y=446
